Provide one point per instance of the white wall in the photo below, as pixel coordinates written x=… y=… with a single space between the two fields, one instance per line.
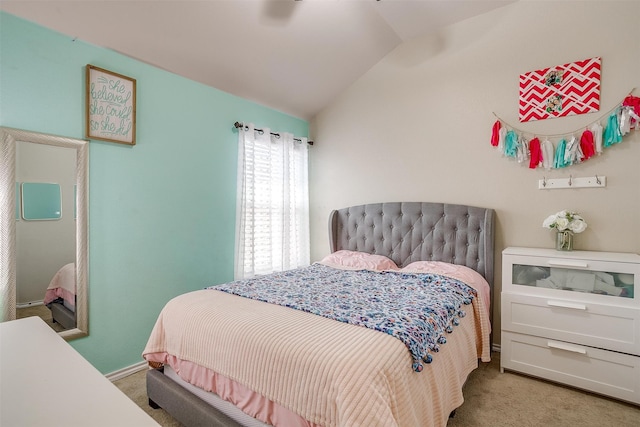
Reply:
x=417 y=126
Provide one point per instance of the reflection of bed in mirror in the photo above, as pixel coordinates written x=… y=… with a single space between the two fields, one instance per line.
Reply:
x=19 y=264
x=60 y=296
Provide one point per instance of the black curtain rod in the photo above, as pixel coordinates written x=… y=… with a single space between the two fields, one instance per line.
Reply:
x=238 y=125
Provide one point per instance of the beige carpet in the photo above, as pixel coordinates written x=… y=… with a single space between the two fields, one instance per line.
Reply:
x=492 y=399
x=135 y=386
x=41 y=311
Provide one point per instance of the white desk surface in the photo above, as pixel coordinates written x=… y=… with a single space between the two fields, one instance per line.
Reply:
x=46 y=382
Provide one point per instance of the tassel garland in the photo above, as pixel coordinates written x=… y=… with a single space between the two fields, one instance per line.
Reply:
x=570 y=150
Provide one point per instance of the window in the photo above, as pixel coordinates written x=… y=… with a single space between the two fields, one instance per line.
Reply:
x=272 y=216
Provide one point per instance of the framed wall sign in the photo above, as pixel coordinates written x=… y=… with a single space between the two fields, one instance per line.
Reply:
x=111 y=106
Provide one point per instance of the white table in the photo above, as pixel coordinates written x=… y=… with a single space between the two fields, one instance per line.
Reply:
x=46 y=382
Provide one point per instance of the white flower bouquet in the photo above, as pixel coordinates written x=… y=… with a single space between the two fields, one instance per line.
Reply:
x=565 y=221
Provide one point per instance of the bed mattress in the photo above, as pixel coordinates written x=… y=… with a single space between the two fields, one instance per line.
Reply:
x=226 y=407
x=329 y=373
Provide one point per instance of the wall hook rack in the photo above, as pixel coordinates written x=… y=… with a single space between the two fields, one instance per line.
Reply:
x=596 y=181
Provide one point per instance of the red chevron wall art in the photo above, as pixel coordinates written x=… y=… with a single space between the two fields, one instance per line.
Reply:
x=559 y=91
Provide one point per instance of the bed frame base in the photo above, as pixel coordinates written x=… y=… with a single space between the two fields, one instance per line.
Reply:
x=62 y=315
x=188 y=409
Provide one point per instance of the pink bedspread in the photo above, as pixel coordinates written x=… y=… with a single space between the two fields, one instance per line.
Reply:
x=63 y=285
x=326 y=372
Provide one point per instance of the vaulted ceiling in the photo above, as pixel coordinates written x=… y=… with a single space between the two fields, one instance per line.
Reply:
x=293 y=56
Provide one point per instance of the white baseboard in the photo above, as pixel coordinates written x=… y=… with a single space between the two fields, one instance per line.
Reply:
x=125 y=372
x=29 y=304
x=496 y=347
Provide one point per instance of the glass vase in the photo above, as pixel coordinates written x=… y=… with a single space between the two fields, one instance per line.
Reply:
x=564 y=241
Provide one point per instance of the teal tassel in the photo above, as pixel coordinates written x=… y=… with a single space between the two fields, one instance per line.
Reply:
x=612 y=133
x=558 y=160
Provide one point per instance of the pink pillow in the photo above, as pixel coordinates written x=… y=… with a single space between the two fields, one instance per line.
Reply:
x=359 y=260
x=460 y=272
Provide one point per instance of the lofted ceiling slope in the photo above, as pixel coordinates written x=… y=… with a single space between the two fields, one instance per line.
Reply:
x=292 y=56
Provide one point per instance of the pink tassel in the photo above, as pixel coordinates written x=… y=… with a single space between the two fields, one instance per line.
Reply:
x=495 y=135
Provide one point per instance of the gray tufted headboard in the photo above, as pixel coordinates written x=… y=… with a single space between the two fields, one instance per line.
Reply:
x=418 y=231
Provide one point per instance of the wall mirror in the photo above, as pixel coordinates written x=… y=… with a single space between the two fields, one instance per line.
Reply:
x=44 y=256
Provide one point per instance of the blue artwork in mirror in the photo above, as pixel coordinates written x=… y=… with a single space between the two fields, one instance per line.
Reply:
x=41 y=201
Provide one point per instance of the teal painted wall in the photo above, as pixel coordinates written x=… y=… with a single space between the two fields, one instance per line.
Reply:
x=162 y=212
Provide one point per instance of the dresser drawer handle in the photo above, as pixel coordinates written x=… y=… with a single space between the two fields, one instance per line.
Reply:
x=568 y=264
x=564 y=304
x=566 y=347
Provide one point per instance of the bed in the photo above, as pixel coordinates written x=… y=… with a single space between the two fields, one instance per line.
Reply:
x=293 y=367
x=60 y=296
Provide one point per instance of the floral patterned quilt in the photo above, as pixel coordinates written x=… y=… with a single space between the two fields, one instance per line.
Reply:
x=417 y=308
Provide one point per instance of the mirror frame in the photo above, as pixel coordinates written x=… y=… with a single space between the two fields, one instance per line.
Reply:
x=8 y=139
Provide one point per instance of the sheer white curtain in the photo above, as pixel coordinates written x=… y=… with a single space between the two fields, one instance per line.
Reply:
x=272 y=214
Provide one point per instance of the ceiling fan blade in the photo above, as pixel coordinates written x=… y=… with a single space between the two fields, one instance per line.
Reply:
x=278 y=11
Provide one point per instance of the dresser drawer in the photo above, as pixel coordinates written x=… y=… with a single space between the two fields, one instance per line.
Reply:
x=601 y=371
x=599 y=277
x=581 y=322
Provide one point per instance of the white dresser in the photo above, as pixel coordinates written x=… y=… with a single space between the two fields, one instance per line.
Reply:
x=573 y=317
x=45 y=382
